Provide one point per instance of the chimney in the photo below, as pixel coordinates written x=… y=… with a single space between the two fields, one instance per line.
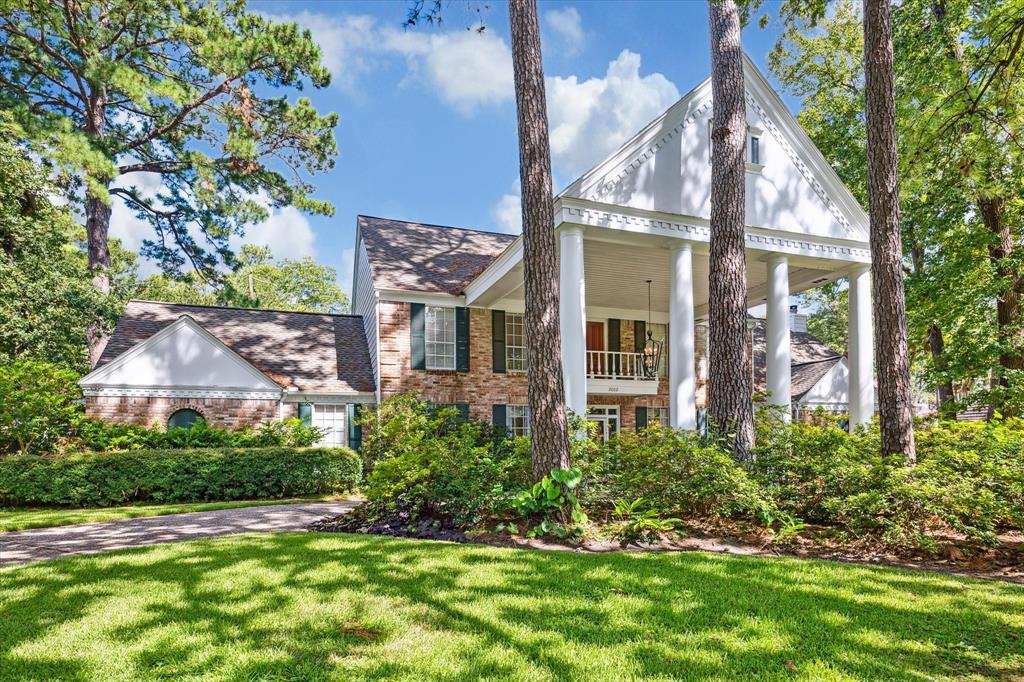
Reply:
x=797 y=322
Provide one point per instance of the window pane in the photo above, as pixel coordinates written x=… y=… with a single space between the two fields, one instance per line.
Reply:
x=515 y=342
x=439 y=337
x=331 y=419
x=517 y=420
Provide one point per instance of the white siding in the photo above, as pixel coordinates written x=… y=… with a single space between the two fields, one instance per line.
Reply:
x=365 y=303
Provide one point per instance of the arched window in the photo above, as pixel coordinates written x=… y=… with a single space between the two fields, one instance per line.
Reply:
x=183 y=419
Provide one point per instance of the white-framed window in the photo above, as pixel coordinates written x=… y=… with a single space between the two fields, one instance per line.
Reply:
x=331 y=418
x=657 y=416
x=753 y=150
x=517 y=420
x=659 y=332
x=515 y=342
x=754 y=147
x=439 y=337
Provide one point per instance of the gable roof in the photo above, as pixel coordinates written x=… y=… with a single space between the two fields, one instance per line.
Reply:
x=410 y=256
x=810 y=357
x=597 y=183
x=305 y=351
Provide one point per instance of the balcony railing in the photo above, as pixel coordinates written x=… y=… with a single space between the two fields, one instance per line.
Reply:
x=608 y=364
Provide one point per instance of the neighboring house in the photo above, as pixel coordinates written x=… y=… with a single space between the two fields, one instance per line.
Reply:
x=820 y=378
x=441 y=308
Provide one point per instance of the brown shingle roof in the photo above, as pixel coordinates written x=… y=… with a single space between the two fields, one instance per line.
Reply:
x=308 y=351
x=811 y=359
x=430 y=258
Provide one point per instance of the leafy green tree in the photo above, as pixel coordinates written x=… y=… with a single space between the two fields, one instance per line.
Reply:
x=47 y=301
x=38 y=406
x=113 y=88
x=258 y=281
x=953 y=284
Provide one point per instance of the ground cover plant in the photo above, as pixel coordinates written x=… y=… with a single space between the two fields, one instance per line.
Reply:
x=205 y=474
x=314 y=606
x=14 y=519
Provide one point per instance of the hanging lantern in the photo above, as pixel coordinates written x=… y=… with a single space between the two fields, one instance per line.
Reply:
x=652 y=347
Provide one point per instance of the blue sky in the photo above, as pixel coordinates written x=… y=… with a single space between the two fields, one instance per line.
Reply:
x=428 y=129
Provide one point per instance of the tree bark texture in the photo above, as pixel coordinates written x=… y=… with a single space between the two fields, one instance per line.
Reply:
x=1008 y=301
x=891 y=355
x=97 y=228
x=729 y=390
x=545 y=385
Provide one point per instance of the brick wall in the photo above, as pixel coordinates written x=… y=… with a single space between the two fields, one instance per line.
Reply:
x=221 y=412
x=480 y=387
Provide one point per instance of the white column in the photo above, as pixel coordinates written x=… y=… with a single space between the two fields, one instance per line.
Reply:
x=779 y=363
x=861 y=351
x=682 y=379
x=572 y=319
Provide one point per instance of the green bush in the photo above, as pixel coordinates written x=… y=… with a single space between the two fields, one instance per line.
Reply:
x=96 y=435
x=676 y=474
x=38 y=407
x=102 y=479
x=969 y=478
x=428 y=461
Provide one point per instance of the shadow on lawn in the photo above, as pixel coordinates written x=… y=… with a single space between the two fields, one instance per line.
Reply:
x=532 y=614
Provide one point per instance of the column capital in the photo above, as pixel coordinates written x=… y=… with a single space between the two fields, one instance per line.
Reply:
x=777 y=258
x=570 y=230
x=681 y=245
x=860 y=268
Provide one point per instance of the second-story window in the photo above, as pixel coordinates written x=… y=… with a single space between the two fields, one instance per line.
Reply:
x=755 y=149
x=439 y=337
x=515 y=342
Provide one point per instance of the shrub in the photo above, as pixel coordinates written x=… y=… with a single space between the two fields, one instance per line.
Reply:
x=428 y=461
x=38 y=407
x=676 y=474
x=97 y=435
x=103 y=479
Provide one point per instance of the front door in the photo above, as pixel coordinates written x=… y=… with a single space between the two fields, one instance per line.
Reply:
x=607 y=419
x=595 y=342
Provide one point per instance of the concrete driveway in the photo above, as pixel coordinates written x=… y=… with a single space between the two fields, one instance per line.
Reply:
x=90 y=538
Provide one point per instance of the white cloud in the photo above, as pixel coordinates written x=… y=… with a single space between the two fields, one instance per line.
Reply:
x=125 y=226
x=467 y=69
x=287 y=232
x=565 y=23
x=345 y=270
x=508 y=214
x=590 y=119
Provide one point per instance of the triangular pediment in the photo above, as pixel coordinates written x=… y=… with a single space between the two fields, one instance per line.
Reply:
x=666 y=168
x=182 y=355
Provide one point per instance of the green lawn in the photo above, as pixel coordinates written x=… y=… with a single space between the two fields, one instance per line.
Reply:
x=23 y=519
x=302 y=606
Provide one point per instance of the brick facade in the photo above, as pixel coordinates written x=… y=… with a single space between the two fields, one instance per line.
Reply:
x=230 y=413
x=481 y=387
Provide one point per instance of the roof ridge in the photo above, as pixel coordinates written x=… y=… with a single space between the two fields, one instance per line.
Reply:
x=228 y=307
x=443 y=227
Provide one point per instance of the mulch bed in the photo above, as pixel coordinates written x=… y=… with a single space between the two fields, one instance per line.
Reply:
x=1003 y=562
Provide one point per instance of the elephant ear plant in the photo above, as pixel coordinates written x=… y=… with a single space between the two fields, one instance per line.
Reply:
x=550 y=507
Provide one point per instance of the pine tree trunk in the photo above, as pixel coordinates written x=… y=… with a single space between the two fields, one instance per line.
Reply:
x=892 y=358
x=549 y=430
x=97 y=227
x=729 y=389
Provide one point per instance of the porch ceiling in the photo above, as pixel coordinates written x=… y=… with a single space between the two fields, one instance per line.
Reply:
x=617 y=269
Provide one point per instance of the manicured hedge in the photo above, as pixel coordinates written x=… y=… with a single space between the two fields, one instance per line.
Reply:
x=109 y=478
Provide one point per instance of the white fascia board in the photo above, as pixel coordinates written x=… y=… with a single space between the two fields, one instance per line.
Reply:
x=95 y=378
x=328 y=397
x=355 y=262
x=425 y=297
x=510 y=257
x=120 y=391
x=755 y=82
x=695 y=229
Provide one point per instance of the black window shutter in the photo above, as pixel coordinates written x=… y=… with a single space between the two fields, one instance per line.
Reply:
x=355 y=431
x=499 y=419
x=306 y=413
x=615 y=343
x=641 y=418
x=417 y=321
x=498 y=341
x=639 y=336
x=463 y=409
x=462 y=339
